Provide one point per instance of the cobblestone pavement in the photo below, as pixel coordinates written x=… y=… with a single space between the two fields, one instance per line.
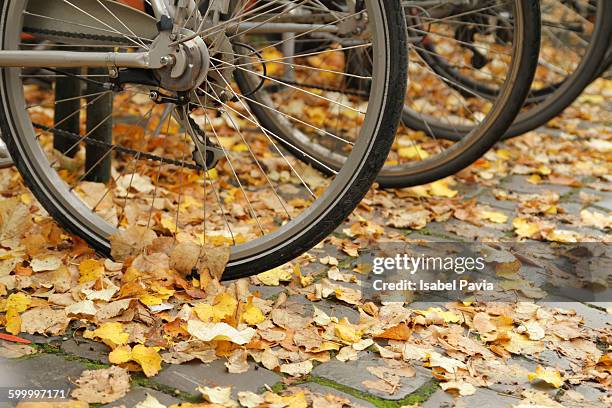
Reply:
x=61 y=360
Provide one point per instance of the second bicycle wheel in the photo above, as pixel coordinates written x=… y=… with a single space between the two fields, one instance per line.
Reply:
x=503 y=34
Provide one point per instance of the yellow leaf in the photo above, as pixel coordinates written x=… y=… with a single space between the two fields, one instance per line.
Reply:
x=274 y=276
x=548 y=375
x=91 y=270
x=413 y=152
x=120 y=355
x=26 y=199
x=13 y=322
x=525 y=229
x=148 y=358
x=18 y=302
x=544 y=170
x=188 y=201
x=304 y=280
x=204 y=311
x=447 y=316
x=495 y=216
x=167 y=222
x=534 y=179
x=212 y=174
x=161 y=294
x=150 y=299
x=252 y=314
x=15 y=304
x=347 y=332
x=440 y=189
x=225 y=306
x=504 y=154
x=297 y=400
x=111 y=333
x=240 y=147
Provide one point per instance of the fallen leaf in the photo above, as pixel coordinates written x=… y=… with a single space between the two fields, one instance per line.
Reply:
x=102 y=386
x=250 y=400
x=460 y=387
x=91 y=270
x=252 y=314
x=274 y=276
x=219 y=331
x=150 y=402
x=130 y=242
x=147 y=357
x=110 y=333
x=44 y=320
x=237 y=362
x=525 y=229
x=347 y=332
x=85 y=307
x=494 y=216
x=548 y=375
x=216 y=395
x=297 y=369
x=45 y=263
x=440 y=188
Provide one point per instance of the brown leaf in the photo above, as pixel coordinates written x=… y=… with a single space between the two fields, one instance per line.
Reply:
x=214 y=260
x=44 y=320
x=184 y=257
x=102 y=386
x=15 y=221
x=130 y=242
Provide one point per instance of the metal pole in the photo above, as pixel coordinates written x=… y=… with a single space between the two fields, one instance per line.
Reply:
x=67 y=114
x=100 y=124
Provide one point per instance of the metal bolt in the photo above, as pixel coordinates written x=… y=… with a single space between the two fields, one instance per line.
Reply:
x=113 y=72
x=166 y=60
x=154 y=95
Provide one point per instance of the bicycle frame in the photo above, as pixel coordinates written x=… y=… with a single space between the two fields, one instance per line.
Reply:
x=141 y=26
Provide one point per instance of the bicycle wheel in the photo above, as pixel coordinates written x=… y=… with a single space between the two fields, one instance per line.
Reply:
x=575 y=39
x=575 y=56
x=165 y=139
x=435 y=108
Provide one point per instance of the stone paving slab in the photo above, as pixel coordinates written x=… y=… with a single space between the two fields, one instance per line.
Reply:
x=88 y=349
x=483 y=398
x=353 y=373
x=519 y=184
x=187 y=377
x=40 y=371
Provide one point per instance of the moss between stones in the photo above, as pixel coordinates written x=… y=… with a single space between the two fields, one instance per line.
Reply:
x=49 y=348
x=419 y=396
x=142 y=381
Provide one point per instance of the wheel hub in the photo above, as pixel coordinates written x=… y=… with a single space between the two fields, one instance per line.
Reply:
x=185 y=67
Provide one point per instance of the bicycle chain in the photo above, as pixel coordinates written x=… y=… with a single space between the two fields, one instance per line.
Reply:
x=121 y=149
x=84 y=36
